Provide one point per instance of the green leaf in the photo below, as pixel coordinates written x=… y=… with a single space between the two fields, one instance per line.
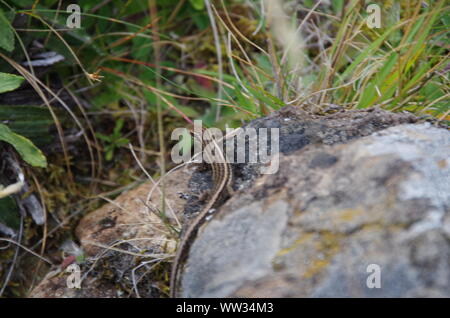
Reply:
x=9 y=213
x=337 y=6
x=364 y=55
x=201 y=20
x=109 y=154
x=382 y=81
x=7 y=36
x=30 y=121
x=244 y=102
x=265 y=97
x=27 y=150
x=103 y=137
x=309 y=4
x=9 y=82
x=197 y=4
x=119 y=126
x=80 y=258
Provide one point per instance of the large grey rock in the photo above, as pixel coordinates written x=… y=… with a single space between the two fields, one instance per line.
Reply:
x=355 y=189
x=314 y=228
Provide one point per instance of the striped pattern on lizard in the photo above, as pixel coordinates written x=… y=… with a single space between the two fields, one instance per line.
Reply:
x=223 y=180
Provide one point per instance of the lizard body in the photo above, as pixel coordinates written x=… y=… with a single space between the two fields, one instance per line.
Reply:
x=222 y=178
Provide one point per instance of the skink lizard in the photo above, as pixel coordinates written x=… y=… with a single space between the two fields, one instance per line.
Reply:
x=223 y=179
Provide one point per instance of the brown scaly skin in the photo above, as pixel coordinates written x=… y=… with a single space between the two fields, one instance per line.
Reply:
x=223 y=179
